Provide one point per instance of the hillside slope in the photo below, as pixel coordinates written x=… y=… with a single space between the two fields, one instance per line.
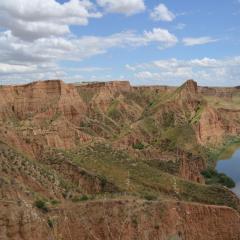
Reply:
x=78 y=160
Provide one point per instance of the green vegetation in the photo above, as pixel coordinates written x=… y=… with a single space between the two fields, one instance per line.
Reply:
x=197 y=116
x=81 y=198
x=150 y=197
x=224 y=102
x=42 y=205
x=138 y=146
x=55 y=202
x=136 y=177
x=213 y=177
x=113 y=111
x=86 y=95
x=183 y=136
x=168 y=120
x=50 y=223
x=224 y=151
x=171 y=167
x=150 y=125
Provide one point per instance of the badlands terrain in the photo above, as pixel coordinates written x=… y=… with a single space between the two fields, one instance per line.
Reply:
x=107 y=160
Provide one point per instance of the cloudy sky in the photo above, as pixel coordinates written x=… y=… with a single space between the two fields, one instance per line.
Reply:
x=144 y=41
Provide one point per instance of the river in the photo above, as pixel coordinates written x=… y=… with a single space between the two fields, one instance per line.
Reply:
x=231 y=167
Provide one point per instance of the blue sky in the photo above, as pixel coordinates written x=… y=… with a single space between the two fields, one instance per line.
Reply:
x=145 y=42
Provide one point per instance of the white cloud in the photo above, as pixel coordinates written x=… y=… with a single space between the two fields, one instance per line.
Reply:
x=207 y=71
x=86 y=69
x=198 y=41
x=31 y=56
x=17 y=51
x=127 y=7
x=129 y=67
x=162 y=13
x=147 y=75
x=35 y=19
x=11 y=69
x=180 y=26
x=12 y=74
x=161 y=35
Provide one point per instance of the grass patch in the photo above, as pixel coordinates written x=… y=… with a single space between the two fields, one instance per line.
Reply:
x=197 y=116
x=113 y=111
x=134 y=176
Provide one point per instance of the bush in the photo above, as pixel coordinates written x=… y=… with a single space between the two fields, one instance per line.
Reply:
x=54 y=202
x=150 y=197
x=138 y=146
x=226 y=181
x=84 y=198
x=213 y=177
x=50 y=223
x=81 y=198
x=209 y=173
x=40 y=204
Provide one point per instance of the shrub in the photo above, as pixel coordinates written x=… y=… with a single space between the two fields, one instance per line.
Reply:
x=54 y=202
x=50 y=223
x=81 y=198
x=213 y=177
x=138 y=146
x=226 y=181
x=150 y=197
x=41 y=204
x=84 y=198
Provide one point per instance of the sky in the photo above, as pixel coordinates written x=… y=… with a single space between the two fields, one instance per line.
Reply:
x=148 y=42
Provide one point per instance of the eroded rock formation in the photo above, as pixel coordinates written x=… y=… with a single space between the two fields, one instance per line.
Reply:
x=111 y=145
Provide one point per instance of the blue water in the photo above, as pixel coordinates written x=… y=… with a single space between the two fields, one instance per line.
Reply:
x=231 y=167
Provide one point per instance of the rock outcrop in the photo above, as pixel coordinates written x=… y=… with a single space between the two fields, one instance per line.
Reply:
x=20 y=221
x=148 y=220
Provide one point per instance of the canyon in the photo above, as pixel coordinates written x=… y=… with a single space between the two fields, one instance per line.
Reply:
x=107 y=160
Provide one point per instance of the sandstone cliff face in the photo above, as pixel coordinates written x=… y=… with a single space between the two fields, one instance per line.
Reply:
x=47 y=97
x=210 y=128
x=191 y=167
x=37 y=106
x=120 y=219
x=128 y=220
x=20 y=221
x=215 y=125
x=219 y=92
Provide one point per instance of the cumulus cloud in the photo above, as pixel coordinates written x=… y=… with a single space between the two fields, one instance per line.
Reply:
x=162 y=13
x=207 y=71
x=127 y=7
x=30 y=20
x=17 y=51
x=31 y=55
x=198 y=41
x=161 y=35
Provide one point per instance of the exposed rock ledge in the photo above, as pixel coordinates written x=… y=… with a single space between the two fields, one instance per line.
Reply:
x=121 y=219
